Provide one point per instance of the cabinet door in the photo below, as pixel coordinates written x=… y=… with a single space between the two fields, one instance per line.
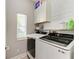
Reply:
x=46 y=51
x=40 y=13
x=36 y=15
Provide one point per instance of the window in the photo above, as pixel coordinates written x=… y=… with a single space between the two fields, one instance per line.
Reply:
x=21 y=25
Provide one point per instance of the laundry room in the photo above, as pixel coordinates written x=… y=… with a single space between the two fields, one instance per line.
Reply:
x=39 y=29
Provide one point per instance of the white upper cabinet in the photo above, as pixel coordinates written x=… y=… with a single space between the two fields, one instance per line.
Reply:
x=44 y=12
x=50 y=10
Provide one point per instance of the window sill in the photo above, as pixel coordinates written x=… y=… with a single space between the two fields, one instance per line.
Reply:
x=22 y=38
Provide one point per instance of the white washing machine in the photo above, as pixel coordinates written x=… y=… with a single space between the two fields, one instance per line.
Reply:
x=55 y=46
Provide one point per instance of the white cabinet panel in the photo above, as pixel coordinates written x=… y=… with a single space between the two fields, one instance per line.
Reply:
x=40 y=13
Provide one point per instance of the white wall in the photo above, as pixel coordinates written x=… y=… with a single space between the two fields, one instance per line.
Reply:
x=12 y=8
x=61 y=10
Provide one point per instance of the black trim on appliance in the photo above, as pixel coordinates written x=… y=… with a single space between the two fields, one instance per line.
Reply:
x=59 y=37
x=31 y=46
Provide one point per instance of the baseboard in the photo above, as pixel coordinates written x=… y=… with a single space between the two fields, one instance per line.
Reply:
x=20 y=56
